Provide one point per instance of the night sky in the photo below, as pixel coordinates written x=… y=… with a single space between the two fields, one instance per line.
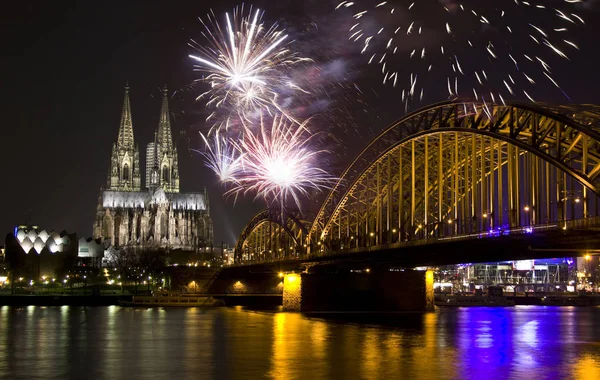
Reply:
x=63 y=68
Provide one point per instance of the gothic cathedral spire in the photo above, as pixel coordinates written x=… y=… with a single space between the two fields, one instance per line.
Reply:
x=165 y=140
x=124 y=172
x=165 y=150
x=125 y=139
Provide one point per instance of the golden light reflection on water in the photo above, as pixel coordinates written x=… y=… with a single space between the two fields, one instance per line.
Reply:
x=195 y=334
x=392 y=344
x=286 y=345
x=318 y=339
x=349 y=339
x=587 y=368
x=372 y=355
x=428 y=351
x=368 y=352
x=221 y=343
x=299 y=343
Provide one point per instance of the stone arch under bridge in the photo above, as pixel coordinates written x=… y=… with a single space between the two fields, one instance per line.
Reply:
x=459 y=169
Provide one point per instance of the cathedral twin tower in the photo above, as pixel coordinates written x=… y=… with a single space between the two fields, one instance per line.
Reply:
x=161 y=155
x=157 y=214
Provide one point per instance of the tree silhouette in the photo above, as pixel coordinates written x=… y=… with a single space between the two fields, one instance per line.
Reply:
x=15 y=259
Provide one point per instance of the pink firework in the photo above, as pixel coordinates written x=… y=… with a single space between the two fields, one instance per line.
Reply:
x=279 y=163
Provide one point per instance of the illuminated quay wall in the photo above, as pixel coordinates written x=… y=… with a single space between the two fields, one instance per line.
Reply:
x=239 y=282
x=247 y=286
x=324 y=290
x=385 y=290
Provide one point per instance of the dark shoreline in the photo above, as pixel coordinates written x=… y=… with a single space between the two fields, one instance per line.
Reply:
x=62 y=300
x=108 y=300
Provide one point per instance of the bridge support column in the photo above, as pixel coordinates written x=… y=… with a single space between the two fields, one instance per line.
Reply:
x=292 y=292
x=368 y=291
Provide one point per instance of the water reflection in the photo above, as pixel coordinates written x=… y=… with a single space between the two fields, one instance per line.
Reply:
x=586 y=367
x=124 y=343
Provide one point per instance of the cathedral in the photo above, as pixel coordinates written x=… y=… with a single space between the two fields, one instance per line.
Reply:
x=156 y=214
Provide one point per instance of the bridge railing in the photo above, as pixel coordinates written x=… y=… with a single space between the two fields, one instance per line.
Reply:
x=593 y=221
x=583 y=223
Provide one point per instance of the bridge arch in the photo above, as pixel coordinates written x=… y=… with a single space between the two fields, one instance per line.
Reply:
x=268 y=237
x=489 y=161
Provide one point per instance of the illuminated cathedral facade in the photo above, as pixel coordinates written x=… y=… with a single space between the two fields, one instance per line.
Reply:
x=153 y=213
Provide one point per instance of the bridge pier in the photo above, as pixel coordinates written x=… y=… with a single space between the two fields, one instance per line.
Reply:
x=382 y=290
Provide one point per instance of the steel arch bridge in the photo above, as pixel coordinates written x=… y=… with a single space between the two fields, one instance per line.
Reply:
x=267 y=236
x=459 y=169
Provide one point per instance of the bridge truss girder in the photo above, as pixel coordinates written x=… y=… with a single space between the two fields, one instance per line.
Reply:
x=267 y=237
x=453 y=183
x=567 y=145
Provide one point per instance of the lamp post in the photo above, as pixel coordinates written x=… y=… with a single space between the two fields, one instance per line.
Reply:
x=586 y=270
x=575 y=198
x=484 y=221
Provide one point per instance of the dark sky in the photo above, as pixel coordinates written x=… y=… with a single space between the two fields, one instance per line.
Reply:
x=63 y=68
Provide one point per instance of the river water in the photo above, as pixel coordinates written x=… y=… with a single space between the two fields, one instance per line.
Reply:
x=523 y=342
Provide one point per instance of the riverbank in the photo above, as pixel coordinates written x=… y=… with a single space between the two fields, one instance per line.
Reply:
x=254 y=300
x=62 y=300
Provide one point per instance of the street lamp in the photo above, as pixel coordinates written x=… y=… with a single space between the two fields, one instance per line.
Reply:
x=450 y=222
x=485 y=222
x=565 y=195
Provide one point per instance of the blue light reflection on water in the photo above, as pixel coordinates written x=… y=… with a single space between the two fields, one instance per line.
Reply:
x=541 y=342
x=463 y=343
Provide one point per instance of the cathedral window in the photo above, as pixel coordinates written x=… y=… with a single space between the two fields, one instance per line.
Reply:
x=125 y=172
x=107 y=227
x=165 y=175
x=164 y=226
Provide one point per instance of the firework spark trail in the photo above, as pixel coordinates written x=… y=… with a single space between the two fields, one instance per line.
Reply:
x=222 y=158
x=247 y=66
x=397 y=34
x=279 y=164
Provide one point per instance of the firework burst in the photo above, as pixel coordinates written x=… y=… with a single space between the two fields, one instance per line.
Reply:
x=278 y=163
x=222 y=157
x=247 y=65
x=506 y=44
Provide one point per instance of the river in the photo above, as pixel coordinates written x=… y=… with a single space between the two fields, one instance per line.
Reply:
x=523 y=342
